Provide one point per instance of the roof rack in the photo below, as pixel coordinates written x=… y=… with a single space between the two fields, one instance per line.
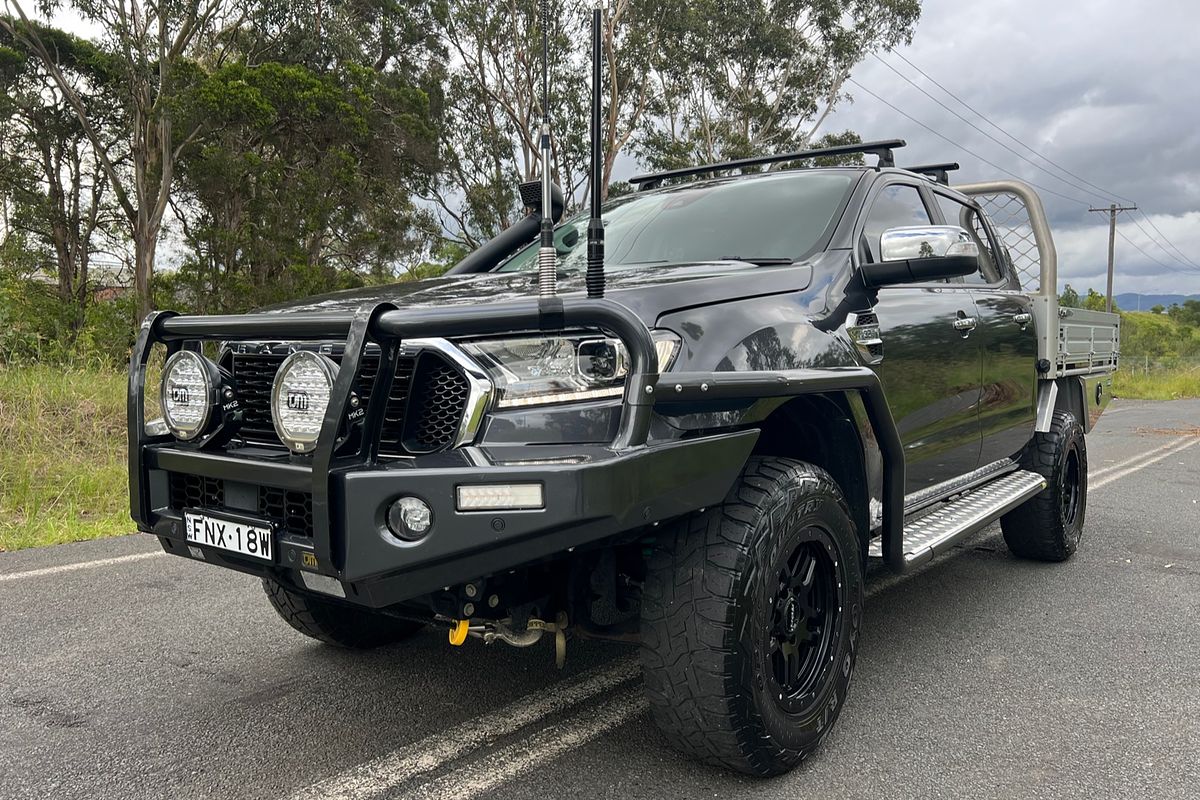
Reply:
x=882 y=148
x=937 y=172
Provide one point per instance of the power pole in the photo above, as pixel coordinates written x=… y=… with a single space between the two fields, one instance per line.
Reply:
x=1112 y=212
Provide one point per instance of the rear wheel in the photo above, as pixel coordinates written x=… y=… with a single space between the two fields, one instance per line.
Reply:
x=1049 y=525
x=338 y=624
x=750 y=620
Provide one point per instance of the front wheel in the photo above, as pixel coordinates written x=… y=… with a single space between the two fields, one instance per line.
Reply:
x=1048 y=526
x=335 y=623
x=750 y=620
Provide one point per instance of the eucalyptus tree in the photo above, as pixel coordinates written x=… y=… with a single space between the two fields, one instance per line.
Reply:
x=147 y=41
x=57 y=197
x=494 y=109
x=761 y=76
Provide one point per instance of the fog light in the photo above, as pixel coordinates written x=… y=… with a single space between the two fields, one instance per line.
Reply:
x=409 y=519
x=500 y=497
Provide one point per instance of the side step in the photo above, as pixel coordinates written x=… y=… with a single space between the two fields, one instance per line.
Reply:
x=937 y=531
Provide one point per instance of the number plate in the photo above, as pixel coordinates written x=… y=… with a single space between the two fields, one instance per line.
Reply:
x=249 y=538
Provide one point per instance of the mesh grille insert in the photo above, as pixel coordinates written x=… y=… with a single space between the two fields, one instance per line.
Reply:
x=194 y=491
x=292 y=510
x=437 y=405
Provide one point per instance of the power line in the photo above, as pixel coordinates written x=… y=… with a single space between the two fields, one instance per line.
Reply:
x=1034 y=164
x=1182 y=256
x=1169 y=248
x=989 y=121
x=1138 y=247
x=962 y=147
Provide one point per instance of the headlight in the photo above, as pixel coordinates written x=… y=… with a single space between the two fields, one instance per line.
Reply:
x=560 y=369
x=187 y=394
x=299 y=397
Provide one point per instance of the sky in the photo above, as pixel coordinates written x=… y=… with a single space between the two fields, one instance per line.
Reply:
x=1105 y=89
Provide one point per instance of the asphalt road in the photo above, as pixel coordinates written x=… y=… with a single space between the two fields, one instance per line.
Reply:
x=129 y=674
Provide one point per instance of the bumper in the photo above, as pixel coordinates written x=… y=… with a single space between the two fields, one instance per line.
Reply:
x=591 y=493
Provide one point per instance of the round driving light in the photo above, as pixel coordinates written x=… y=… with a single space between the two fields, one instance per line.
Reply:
x=299 y=398
x=409 y=518
x=186 y=394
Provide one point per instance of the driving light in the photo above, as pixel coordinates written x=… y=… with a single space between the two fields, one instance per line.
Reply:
x=299 y=398
x=500 y=497
x=533 y=371
x=409 y=518
x=186 y=395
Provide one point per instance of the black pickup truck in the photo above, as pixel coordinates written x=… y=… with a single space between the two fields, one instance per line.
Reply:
x=794 y=371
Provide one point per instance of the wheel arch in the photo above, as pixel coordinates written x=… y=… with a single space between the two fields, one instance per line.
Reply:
x=823 y=430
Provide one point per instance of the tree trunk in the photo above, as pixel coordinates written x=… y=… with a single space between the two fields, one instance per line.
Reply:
x=144 y=243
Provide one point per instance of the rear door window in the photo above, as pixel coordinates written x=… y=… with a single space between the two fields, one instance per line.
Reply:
x=968 y=218
x=898 y=205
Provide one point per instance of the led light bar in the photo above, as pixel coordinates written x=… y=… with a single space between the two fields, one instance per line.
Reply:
x=500 y=497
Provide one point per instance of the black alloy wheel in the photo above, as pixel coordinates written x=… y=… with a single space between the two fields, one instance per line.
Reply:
x=803 y=622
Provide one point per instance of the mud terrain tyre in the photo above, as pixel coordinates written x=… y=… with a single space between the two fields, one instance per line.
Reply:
x=1047 y=527
x=338 y=624
x=750 y=620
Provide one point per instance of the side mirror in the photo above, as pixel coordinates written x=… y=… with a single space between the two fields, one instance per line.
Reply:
x=921 y=254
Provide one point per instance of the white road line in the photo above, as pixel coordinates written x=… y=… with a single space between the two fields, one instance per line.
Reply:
x=1100 y=473
x=532 y=753
x=1110 y=476
x=390 y=770
x=103 y=562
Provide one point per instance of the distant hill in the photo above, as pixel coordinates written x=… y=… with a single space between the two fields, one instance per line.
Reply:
x=1130 y=300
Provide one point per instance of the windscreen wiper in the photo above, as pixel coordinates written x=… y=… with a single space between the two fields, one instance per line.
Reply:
x=764 y=261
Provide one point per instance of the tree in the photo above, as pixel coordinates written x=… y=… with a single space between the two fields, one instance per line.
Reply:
x=147 y=41
x=303 y=181
x=55 y=188
x=1157 y=308
x=741 y=80
x=494 y=108
x=1069 y=298
x=1095 y=302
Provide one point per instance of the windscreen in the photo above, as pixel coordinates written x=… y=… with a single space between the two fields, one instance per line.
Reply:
x=771 y=219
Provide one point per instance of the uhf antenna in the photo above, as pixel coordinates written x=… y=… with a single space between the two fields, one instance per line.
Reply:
x=547 y=258
x=595 y=251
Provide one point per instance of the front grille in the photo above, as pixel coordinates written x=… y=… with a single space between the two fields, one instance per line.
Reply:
x=254 y=374
x=430 y=425
x=292 y=510
x=193 y=491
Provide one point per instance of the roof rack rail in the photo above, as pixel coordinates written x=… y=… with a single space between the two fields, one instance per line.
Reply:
x=937 y=172
x=882 y=148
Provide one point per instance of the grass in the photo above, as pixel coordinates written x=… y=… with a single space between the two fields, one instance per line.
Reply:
x=1158 y=384
x=62 y=457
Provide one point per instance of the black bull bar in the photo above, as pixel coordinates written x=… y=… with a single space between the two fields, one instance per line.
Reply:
x=386 y=325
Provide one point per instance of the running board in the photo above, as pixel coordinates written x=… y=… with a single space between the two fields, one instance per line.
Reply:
x=935 y=532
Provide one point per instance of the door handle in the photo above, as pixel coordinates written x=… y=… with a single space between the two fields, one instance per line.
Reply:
x=1023 y=319
x=965 y=324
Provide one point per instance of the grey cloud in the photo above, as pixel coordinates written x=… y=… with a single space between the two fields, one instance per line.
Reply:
x=1104 y=88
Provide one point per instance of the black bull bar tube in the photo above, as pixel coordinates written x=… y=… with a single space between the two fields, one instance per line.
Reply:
x=386 y=325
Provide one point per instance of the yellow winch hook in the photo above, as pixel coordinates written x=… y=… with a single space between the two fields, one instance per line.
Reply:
x=458 y=634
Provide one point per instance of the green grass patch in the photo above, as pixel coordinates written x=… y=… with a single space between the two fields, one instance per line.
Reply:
x=1167 y=384
x=62 y=456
